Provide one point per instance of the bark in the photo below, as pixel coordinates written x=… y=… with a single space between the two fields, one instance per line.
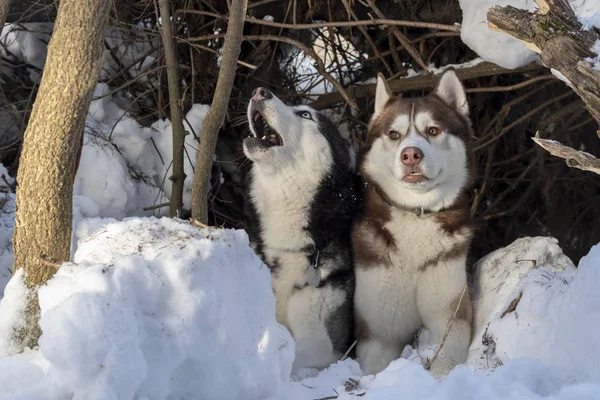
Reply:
x=214 y=118
x=573 y=158
x=178 y=176
x=554 y=32
x=4 y=9
x=51 y=145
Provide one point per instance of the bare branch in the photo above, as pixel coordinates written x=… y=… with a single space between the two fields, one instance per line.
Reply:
x=340 y=24
x=178 y=175
x=401 y=38
x=574 y=158
x=420 y=82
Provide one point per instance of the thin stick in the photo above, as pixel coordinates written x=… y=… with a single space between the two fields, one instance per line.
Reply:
x=200 y=47
x=349 y=350
x=310 y=52
x=448 y=327
x=199 y=224
x=401 y=38
x=157 y=206
x=340 y=24
x=511 y=87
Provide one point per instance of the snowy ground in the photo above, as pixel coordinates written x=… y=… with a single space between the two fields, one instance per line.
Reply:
x=157 y=309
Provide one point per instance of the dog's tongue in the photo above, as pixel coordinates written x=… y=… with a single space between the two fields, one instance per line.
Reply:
x=273 y=140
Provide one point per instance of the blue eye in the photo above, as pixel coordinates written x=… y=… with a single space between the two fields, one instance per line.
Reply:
x=305 y=115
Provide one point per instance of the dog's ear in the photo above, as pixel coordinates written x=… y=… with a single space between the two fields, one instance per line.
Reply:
x=452 y=92
x=382 y=93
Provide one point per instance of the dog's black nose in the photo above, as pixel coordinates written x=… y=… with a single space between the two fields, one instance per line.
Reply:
x=261 y=93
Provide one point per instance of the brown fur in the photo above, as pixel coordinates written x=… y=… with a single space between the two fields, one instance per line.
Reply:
x=465 y=309
x=369 y=226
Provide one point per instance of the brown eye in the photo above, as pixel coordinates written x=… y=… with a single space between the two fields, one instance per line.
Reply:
x=433 y=131
x=394 y=135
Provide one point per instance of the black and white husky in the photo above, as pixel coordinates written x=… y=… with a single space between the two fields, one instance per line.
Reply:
x=299 y=207
x=411 y=241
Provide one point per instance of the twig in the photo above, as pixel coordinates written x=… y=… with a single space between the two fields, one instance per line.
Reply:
x=310 y=52
x=199 y=224
x=447 y=331
x=242 y=63
x=368 y=38
x=157 y=206
x=401 y=38
x=529 y=114
x=50 y=263
x=340 y=24
x=419 y=82
x=349 y=350
x=512 y=306
x=510 y=87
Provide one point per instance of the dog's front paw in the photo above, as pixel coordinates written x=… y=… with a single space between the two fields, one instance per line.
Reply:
x=441 y=367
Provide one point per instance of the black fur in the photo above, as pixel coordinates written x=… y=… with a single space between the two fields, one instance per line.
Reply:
x=330 y=218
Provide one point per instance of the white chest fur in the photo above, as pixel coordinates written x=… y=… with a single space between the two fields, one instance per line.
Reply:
x=386 y=294
x=283 y=202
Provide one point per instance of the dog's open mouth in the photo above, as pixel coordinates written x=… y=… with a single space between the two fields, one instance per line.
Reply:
x=267 y=135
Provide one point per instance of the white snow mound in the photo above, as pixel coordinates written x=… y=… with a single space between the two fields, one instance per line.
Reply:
x=496 y=47
x=555 y=311
x=156 y=309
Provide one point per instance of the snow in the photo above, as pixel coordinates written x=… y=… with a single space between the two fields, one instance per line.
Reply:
x=7 y=223
x=587 y=11
x=158 y=309
x=137 y=161
x=153 y=309
x=560 y=76
x=595 y=62
x=502 y=49
x=496 y=47
x=28 y=43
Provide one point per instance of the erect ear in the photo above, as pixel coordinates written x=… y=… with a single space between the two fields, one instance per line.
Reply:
x=382 y=93
x=452 y=92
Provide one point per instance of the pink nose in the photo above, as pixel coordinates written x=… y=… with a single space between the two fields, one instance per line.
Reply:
x=411 y=156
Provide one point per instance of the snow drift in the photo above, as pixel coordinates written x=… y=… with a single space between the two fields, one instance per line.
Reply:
x=153 y=309
x=157 y=309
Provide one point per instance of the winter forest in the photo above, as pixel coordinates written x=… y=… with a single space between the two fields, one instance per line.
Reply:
x=299 y=199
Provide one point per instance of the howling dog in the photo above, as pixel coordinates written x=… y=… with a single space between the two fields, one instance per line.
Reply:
x=411 y=240
x=301 y=197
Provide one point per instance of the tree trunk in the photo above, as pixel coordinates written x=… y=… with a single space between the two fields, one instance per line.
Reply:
x=215 y=116
x=51 y=145
x=4 y=8
x=178 y=175
x=554 y=32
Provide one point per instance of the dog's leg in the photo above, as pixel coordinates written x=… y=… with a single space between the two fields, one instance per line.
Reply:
x=375 y=355
x=439 y=291
x=308 y=310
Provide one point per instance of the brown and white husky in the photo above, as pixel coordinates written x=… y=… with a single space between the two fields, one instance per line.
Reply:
x=411 y=241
